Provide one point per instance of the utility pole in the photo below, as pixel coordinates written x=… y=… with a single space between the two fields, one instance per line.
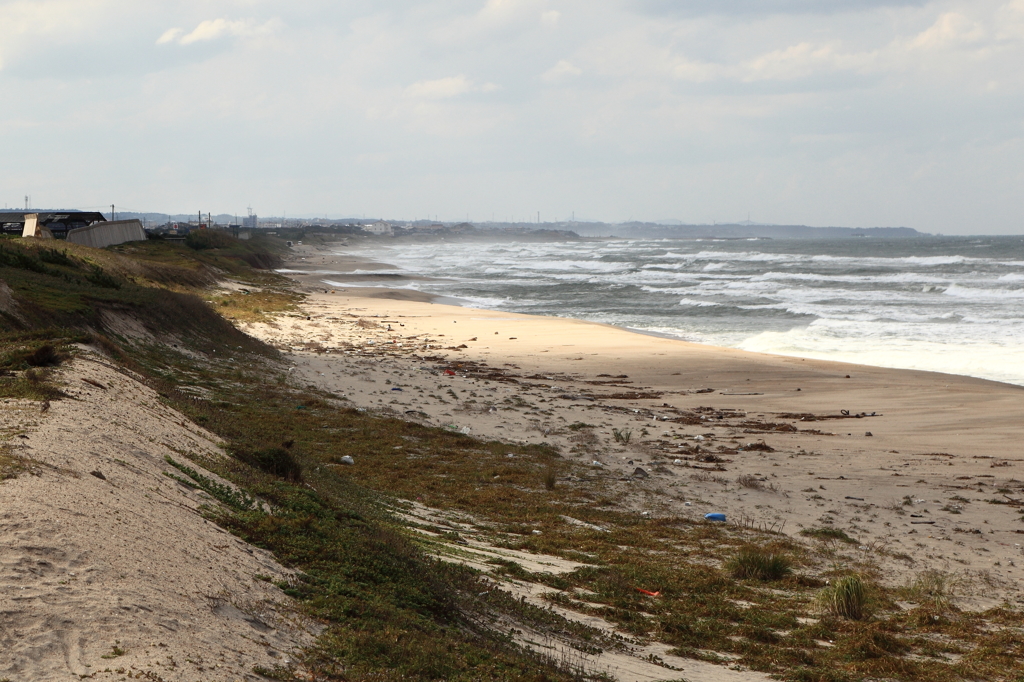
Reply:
x=113 y=216
x=26 y=202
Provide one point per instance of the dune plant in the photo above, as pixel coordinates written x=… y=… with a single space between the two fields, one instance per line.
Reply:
x=845 y=598
x=756 y=563
x=623 y=436
x=932 y=587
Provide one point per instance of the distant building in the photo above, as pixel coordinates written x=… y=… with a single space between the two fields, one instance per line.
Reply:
x=251 y=222
x=381 y=227
x=57 y=222
x=109 y=233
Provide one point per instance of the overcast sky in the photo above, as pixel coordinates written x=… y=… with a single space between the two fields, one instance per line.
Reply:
x=821 y=112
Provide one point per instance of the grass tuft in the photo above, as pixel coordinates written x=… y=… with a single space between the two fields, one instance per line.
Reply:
x=933 y=588
x=845 y=598
x=755 y=563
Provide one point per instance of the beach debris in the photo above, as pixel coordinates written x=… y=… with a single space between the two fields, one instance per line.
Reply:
x=396 y=389
x=926 y=523
x=648 y=592
x=677 y=461
x=347 y=459
x=536 y=532
x=868 y=433
x=698 y=437
x=715 y=516
x=855 y=498
x=449 y=372
x=640 y=473
x=597 y=464
x=98 y=474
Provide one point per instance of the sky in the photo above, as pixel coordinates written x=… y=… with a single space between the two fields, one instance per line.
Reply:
x=818 y=112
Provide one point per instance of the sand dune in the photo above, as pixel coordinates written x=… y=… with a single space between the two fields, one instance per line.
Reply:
x=107 y=564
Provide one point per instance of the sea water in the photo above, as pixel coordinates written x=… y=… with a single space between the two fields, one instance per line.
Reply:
x=945 y=304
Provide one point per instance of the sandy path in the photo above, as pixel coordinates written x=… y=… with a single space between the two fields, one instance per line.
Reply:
x=90 y=563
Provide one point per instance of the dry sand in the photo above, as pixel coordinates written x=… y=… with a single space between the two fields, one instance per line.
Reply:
x=88 y=564
x=920 y=492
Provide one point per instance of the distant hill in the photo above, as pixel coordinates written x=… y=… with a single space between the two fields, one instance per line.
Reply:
x=743 y=231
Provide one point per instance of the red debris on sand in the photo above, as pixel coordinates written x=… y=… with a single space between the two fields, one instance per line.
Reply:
x=649 y=594
x=449 y=372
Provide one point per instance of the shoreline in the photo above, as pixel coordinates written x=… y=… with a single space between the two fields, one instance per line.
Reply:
x=904 y=461
x=396 y=283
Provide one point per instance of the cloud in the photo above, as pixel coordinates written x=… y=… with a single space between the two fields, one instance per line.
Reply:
x=949 y=30
x=550 y=18
x=169 y=36
x=561 y=71
x=444 y=88
x=766 y=7
x=211 y=29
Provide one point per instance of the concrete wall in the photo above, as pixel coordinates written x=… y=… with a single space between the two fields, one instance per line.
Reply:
x=109 y=233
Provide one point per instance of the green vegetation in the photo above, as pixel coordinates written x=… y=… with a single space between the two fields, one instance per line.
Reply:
x=828 y=534
x=756 y=563
x=845 y=598
x=391 y=610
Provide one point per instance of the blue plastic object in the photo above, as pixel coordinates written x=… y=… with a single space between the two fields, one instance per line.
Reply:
x=715 y=516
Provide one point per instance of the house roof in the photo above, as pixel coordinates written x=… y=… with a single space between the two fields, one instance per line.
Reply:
x=49 y=217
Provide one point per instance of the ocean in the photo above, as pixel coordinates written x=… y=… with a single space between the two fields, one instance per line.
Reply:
x=946 y=304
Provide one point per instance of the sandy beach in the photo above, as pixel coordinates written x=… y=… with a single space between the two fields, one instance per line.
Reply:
x=922 y=469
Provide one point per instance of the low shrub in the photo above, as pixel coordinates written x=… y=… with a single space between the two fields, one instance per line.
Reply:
x=277 y=461
x=43 y=356
x=209 y=239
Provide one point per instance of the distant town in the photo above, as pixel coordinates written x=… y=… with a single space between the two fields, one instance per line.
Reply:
x=60 y=223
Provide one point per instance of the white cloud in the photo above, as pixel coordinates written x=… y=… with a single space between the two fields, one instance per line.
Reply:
x=211 y=29
x=444 y=88
x=949 y=30
x=169 y=36
x=562 y=70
